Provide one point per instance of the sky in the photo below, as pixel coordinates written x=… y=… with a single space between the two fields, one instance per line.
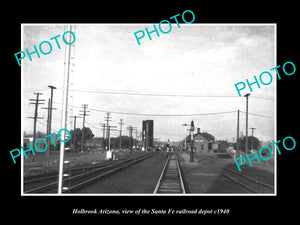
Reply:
x=191 y=70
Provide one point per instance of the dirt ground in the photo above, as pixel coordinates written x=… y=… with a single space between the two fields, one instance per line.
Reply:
x=201 y=176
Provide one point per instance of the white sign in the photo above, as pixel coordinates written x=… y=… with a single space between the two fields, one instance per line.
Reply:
x=108 y=155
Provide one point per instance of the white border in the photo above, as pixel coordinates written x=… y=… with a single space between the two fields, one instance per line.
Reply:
x=155 y=195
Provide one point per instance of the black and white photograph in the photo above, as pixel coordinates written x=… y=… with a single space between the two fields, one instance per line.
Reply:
x=146 y=112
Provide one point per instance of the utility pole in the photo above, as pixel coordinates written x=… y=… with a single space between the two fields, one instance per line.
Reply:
x=246 y=149
x=192 y=128
x=51 y=106
x=83 y=124
x=107 y=118
x=75 y=117
x=36 y=102
x=64 y=112
x=103 y=141
x=130 y=129
x=108 y=137
x=48 y=116
x=49 y=123
x=48 y=131
x=252 y=128
x=120 y=138
x=136 y=138
x=110 y=128
x=73 y=139
x=238 y=131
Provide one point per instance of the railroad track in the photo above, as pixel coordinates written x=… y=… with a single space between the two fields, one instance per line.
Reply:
x=250 y=183
x=78 y=178
x=170 y=180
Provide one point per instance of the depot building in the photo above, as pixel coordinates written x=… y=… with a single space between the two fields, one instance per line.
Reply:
x=203 y=142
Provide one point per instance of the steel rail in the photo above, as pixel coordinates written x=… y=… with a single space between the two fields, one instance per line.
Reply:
x=161 y=175
x=247 y=186
x=91 y=171
x=250 y=178
x=168 y=177
x=90 y=180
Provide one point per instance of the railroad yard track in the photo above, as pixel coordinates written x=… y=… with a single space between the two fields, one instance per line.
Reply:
x=78 y=177
x=250 y=183
x=170 y=180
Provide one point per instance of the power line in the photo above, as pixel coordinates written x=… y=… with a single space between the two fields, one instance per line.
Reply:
x=151 y=94
x=162 y=115
x=91 y=125
x=36 y=90
x=146 y=114
x=52 y=129
x=258 y=115
x=164 y=95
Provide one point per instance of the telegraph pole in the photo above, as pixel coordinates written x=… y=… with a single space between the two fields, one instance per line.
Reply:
x=192 y=141
x=73 y=139
x=136 y=138
x=47 y=131
x=238 y=131
x=51 y=107
x=109 y=128
x=120 y=138
x=75 y=117
x=107 y=118
x=130 y=129
x=83 y=124
x=36 y=102
x=246 y=149
x=252 y=128
x=48 y=116
x=103 y=141
x=49 y=123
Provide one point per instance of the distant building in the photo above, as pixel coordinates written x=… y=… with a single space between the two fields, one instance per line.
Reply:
x=203 y=142
x=147 y=133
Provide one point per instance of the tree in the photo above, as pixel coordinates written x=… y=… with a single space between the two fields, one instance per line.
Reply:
x=76 y=137
x=125 y=142
x=242 y=143
x=223 y=145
